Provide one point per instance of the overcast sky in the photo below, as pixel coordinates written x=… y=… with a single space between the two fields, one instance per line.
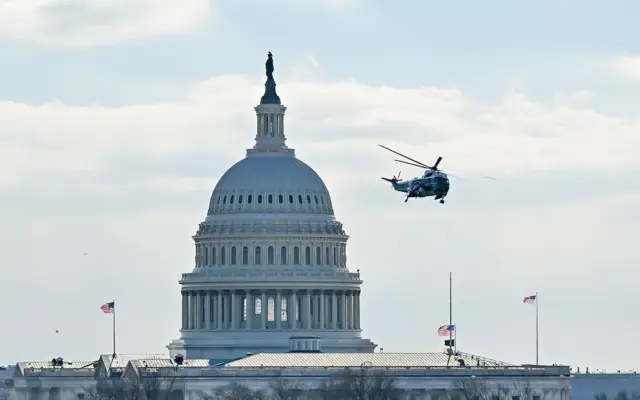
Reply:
x=117 y=121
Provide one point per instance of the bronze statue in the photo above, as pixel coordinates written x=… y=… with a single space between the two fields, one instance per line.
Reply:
x=269 y=66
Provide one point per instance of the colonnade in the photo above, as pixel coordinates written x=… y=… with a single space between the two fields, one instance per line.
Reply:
x=260 y=309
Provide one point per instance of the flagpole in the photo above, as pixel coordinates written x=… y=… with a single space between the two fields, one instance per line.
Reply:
x=537 y=330
x=450 y=312
x=114 y=328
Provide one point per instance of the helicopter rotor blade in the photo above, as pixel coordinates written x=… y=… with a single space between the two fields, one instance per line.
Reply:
x=415 y=165
x=423 y=165
x=435 y=166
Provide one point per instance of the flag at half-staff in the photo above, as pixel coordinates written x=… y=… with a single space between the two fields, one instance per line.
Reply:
x=446 y=330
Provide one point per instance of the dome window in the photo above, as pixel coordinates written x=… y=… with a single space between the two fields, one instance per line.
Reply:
x=218 y=202
x=318 y=256
x=308 y=199
x=321 y=199
x=249 y=198
x=296 y=255
x=291 y=198
x=316 y=197
x=281 y=199
x=245 y=255
x=224 y=200
x=283 y=253
x=259 y=199
x=300 y=198
x=231 y=200
x=240 y=199
x=234 y=256
x=270 y=199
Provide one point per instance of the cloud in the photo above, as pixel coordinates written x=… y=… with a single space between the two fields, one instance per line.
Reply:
x=128 y=185
x=99 y=22
x=343 y=118
x=626 y=66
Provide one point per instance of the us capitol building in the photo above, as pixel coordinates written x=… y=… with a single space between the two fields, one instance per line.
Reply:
x=271 y=305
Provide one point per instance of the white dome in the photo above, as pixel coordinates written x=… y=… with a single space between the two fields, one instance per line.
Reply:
x=270 y=183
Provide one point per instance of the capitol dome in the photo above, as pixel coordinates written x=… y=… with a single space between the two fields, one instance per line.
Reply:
x=270 y=183
x=270 y=258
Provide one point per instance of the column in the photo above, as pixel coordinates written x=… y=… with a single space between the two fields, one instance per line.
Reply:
x=293 y=310
x=264 y=310
x=185 y=310
x=307 y=310
x=352 y=310
x=219 y=311
x=322 y=301
x=199 y=313
x=278 y=310
x=192 y=313
x=234 y=308
x=343 y=310
x=207 y=310
x=334 y=310
x=250 y=304
x=358 y=311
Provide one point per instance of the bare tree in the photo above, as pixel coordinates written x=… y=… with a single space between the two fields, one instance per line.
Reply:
x=151 y=386
x=236 y=391
x=6 y=391
x=365 y=383
x=524 y=390
x=285 y=389
x=478 y=389
x=622 y=395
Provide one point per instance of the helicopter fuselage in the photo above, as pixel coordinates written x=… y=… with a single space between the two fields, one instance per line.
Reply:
x=431 y=184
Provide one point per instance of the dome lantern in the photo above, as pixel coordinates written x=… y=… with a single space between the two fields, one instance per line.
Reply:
x=270 y=118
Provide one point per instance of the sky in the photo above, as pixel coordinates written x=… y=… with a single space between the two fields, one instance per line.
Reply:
x=117 y=118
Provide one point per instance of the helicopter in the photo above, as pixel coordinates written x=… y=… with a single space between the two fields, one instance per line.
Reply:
x=433 y=183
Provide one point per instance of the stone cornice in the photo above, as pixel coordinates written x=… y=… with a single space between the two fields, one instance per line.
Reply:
x=290 y=276
x=262 y=228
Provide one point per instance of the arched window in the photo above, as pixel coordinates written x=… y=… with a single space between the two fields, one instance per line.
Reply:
x=296 y=255
x=271 y=309
x=335 y=256
x=240 y=199
x=245 y=255
x=283 y=255
x=233 y=255
x=316 y=198
x=259 y=199
x=270 y=255
x=258 y=255
x=308 y=199
x=231 y=200
x=206 y=256
x=318 y=256
x=307 y=255
x=213 y=256
x=270 y=199
x=223 y=255
x=291 y=199
x=257 y=306
x=300 y=198
x=250 y=199
x=224 y=199
x=281 y=199
x=321 y=200
x=326 y=256
x=219 y=198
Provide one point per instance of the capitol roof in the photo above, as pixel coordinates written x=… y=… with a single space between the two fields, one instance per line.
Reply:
x=398 y=360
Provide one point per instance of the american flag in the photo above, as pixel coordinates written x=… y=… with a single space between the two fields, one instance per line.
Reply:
x=530 y=299
x=108 y=308
x=446 y=330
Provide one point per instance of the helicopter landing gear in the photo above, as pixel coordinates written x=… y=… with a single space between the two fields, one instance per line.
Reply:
x=441 y=201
